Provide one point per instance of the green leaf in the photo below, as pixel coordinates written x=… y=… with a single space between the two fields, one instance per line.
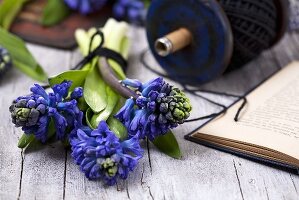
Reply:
x=76 y=76
x=66 y=143
x=9 y=10
x=125 y=47
x=25 y=140
x=37 y=74
x=168 y=145
x=113 y=98
x=82 y=105
x=147 y=3
x=22 y=58
x=54 y=12
x=117 y=69
x=82 y=40
x=95 y=92
x=115 y=125
x=88 y=116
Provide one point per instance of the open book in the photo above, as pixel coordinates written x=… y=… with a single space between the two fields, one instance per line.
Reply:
x=268 y=129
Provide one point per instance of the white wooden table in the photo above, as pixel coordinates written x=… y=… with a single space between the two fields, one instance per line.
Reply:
x=202 y=173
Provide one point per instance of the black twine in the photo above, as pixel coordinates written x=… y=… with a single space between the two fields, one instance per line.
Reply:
x=110 y=54
x=101 y=51
x=194 y=92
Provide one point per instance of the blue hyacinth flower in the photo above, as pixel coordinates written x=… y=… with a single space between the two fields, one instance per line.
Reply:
x=35 y=111
x=5 y=61
x=159 y=108
x=101 y=155
x=85 y=6
x=133 y=10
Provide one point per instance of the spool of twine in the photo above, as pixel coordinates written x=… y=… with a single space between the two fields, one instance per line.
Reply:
x=254 y=26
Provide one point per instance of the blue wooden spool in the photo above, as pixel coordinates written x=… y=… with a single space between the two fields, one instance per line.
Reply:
x=212 y=47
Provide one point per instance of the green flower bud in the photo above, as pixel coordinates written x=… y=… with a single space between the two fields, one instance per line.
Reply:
x=26 y=112
x=110 y=166
x=175 y=107
x=5 y=60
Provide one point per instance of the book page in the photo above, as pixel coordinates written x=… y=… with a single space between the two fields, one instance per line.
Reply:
x=271 y=117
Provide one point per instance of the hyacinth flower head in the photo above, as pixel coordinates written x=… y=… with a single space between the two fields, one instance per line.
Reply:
x=85 y=6
x=133 y=10
x=5 y=60
x=101 y=155
x=35 y=111
x=158 y=108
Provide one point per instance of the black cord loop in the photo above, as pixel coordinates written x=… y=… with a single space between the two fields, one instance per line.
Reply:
x=101 y=51
x=194 y=92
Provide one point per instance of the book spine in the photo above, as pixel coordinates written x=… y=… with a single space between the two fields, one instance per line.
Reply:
x=268 y=162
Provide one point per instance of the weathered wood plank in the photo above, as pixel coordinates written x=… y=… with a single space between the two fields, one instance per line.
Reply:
x=286 y=50
x=262 y=182
x=10 y=163
x=203 y=173
x=12 y=85
x=43 y=170
x=264 y=66
x=256 y=180
x=10 y=156
x=196 y=175
x=259 y=181
x=78 y=186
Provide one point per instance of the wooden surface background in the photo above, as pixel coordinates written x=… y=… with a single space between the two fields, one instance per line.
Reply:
x=202 y=173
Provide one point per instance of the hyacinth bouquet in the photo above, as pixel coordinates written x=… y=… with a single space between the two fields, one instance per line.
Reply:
x=100 y=114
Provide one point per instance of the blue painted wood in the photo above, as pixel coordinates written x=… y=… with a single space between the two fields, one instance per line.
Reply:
x=209 y=54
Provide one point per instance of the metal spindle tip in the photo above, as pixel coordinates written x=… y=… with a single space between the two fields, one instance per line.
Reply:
x=163 y=46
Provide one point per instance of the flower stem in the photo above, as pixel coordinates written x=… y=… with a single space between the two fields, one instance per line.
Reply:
x=111 y=79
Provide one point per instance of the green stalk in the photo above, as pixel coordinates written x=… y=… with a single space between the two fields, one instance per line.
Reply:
x=114 y=34
x=119 y=42
x=108 y=28
x=115 y=39
x=82 y=39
